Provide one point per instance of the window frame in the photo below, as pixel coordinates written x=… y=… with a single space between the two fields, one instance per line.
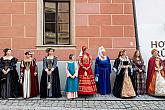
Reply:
x=56 y=2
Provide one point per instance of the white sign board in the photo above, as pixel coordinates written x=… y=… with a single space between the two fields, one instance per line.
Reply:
x=151 y=26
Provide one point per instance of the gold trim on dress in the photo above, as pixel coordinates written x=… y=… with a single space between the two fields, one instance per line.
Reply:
x=127 y=89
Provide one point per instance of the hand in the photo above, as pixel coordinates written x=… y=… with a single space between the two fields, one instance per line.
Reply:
x=84 y=68
x=46 y=70
x=72 y=77
x=156 y=69
x=140 y=70
x=20 y=81
x=127 y=66
x=122 y=66
x=21 y=73
x=87 y=68
x=161 y=67
x=8 y=69
x=35 y=73
x=5 y=72
x=49 y=73
x=52 y=69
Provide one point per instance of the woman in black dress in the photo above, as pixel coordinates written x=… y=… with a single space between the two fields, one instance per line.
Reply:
x=123 y=87
x=50 y=81
x=8 y=75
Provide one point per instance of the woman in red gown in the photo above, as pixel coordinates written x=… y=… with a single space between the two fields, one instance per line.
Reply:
x=87 y=83
x=29 y=76
x=155 y=75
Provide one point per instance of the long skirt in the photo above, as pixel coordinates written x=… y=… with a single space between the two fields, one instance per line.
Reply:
x=104 y=81
x=87 y=84
x=123 y=81
x=127 y=88
x=157 y=85
x=140 y=83
x=53 y=86
x=26 y=84
x=71 y=88
x=9 y=86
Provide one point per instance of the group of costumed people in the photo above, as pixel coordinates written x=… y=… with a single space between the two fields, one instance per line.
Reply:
x=130 y=78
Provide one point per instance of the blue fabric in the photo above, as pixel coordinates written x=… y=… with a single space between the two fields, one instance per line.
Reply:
x=103 y=71
x=71 y=84
x=71 y=68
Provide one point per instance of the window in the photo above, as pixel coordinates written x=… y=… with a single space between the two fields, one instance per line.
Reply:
x=56 y=29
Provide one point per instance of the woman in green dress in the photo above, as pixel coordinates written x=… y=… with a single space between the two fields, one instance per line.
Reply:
x=71 y=87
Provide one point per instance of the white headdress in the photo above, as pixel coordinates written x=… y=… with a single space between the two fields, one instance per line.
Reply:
x=81 y=53
x=100 y=53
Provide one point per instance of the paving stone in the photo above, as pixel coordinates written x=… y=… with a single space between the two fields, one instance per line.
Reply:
x=61 y=104
x=14 y=104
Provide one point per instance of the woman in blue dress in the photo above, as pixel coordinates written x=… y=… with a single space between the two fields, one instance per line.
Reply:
x=102 y=72
x=71 y=87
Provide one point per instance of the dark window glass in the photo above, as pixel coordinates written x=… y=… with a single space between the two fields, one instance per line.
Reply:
x=56 y=22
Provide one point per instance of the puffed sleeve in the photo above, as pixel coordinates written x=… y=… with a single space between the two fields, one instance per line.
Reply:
x=130 y=66
x=76 y=69
x=44 y=63
x=80 y=61
x=54 y=62
x=35 y=64
x=67 y=71
x=115 y=65
x=13 y=63
x=1 y=64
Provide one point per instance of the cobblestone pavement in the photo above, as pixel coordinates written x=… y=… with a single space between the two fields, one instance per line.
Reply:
x=84 y=103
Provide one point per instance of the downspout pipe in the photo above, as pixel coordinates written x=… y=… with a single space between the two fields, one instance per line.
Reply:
x=135 y=25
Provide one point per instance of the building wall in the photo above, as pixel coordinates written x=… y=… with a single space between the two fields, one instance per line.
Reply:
x=18 y=25
x=97 y=22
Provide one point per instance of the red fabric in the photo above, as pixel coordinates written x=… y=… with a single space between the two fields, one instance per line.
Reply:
x=151 y=70
x=34 y=80
x=87 y=83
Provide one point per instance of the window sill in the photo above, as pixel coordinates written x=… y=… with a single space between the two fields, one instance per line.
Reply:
x=56 y=46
